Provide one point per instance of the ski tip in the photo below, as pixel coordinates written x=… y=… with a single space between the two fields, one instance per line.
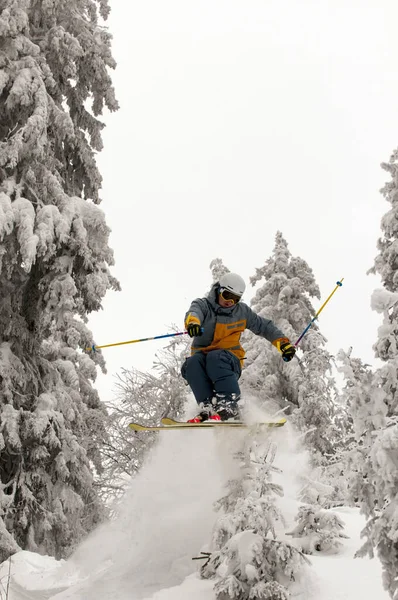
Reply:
x=136 y=427
x=139 y=427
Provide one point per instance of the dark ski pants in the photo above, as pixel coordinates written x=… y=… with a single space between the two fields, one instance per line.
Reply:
x=216 y=372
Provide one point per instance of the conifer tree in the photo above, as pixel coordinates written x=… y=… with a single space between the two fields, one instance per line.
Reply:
x=54 y=268
x=365 y=400
x=371 y=462
x=247 y=557
x=374 y=404
x=382 y=526
x=306 y=388
x=218 y=269
x=318 y=530
x=378 y=418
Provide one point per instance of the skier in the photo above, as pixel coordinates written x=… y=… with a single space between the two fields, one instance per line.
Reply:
x=216 y=323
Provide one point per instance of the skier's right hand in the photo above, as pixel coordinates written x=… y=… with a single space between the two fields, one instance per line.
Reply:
x=193 y=330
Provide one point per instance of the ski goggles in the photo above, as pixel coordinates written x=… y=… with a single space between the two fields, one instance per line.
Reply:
x=229 y=296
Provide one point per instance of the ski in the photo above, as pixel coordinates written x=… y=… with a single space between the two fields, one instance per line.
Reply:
x=172 y=424
x=178 y=425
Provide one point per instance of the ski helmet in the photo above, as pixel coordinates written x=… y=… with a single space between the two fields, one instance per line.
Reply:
x=233 y=282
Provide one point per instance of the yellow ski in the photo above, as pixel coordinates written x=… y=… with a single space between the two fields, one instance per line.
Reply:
x=172 y=424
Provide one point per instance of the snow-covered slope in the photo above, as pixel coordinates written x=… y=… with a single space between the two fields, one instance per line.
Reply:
x=166 y=518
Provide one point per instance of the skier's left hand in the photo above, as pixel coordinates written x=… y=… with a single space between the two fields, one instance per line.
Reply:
x=288 y=351
x=194 y=330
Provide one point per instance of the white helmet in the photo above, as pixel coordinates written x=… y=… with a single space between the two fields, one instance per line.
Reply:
x=233 y=282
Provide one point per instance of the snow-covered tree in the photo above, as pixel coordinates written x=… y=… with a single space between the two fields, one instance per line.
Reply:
x=365 y=401
x=380 y=416
x=372 y=461
x=54 y=267
x=247 y=559
x=305 y=388
x=143 y=397
x=218 y=269
x=318 y=530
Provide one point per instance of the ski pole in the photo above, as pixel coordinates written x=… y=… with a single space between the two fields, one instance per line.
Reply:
x=338 y=284
x=94 y=348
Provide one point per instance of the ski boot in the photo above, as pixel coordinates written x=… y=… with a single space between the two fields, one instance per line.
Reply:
x=207 y=412
x=227 y=407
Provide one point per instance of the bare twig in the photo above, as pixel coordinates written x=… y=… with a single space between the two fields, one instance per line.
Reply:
x=9 y=577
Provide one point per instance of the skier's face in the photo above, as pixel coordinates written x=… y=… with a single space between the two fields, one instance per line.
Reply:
x=227 y=299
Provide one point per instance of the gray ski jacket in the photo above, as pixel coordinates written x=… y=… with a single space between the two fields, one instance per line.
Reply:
x=223 y=327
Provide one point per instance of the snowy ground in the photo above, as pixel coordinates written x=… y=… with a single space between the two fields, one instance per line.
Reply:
x=166 y=518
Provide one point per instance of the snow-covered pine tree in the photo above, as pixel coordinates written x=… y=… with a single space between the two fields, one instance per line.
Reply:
x=143 y=397
x=218 y=269
x=371 y=462
x=375 y=418
x=365 y=401
x=307 y=389
x=318 y=530
x=247 y=559
x=54 y=261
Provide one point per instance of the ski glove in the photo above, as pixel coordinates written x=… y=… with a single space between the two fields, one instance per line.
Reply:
x=194 y=330
x=288 y=351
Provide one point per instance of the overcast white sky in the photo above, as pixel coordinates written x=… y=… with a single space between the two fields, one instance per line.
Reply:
x=238 y=119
